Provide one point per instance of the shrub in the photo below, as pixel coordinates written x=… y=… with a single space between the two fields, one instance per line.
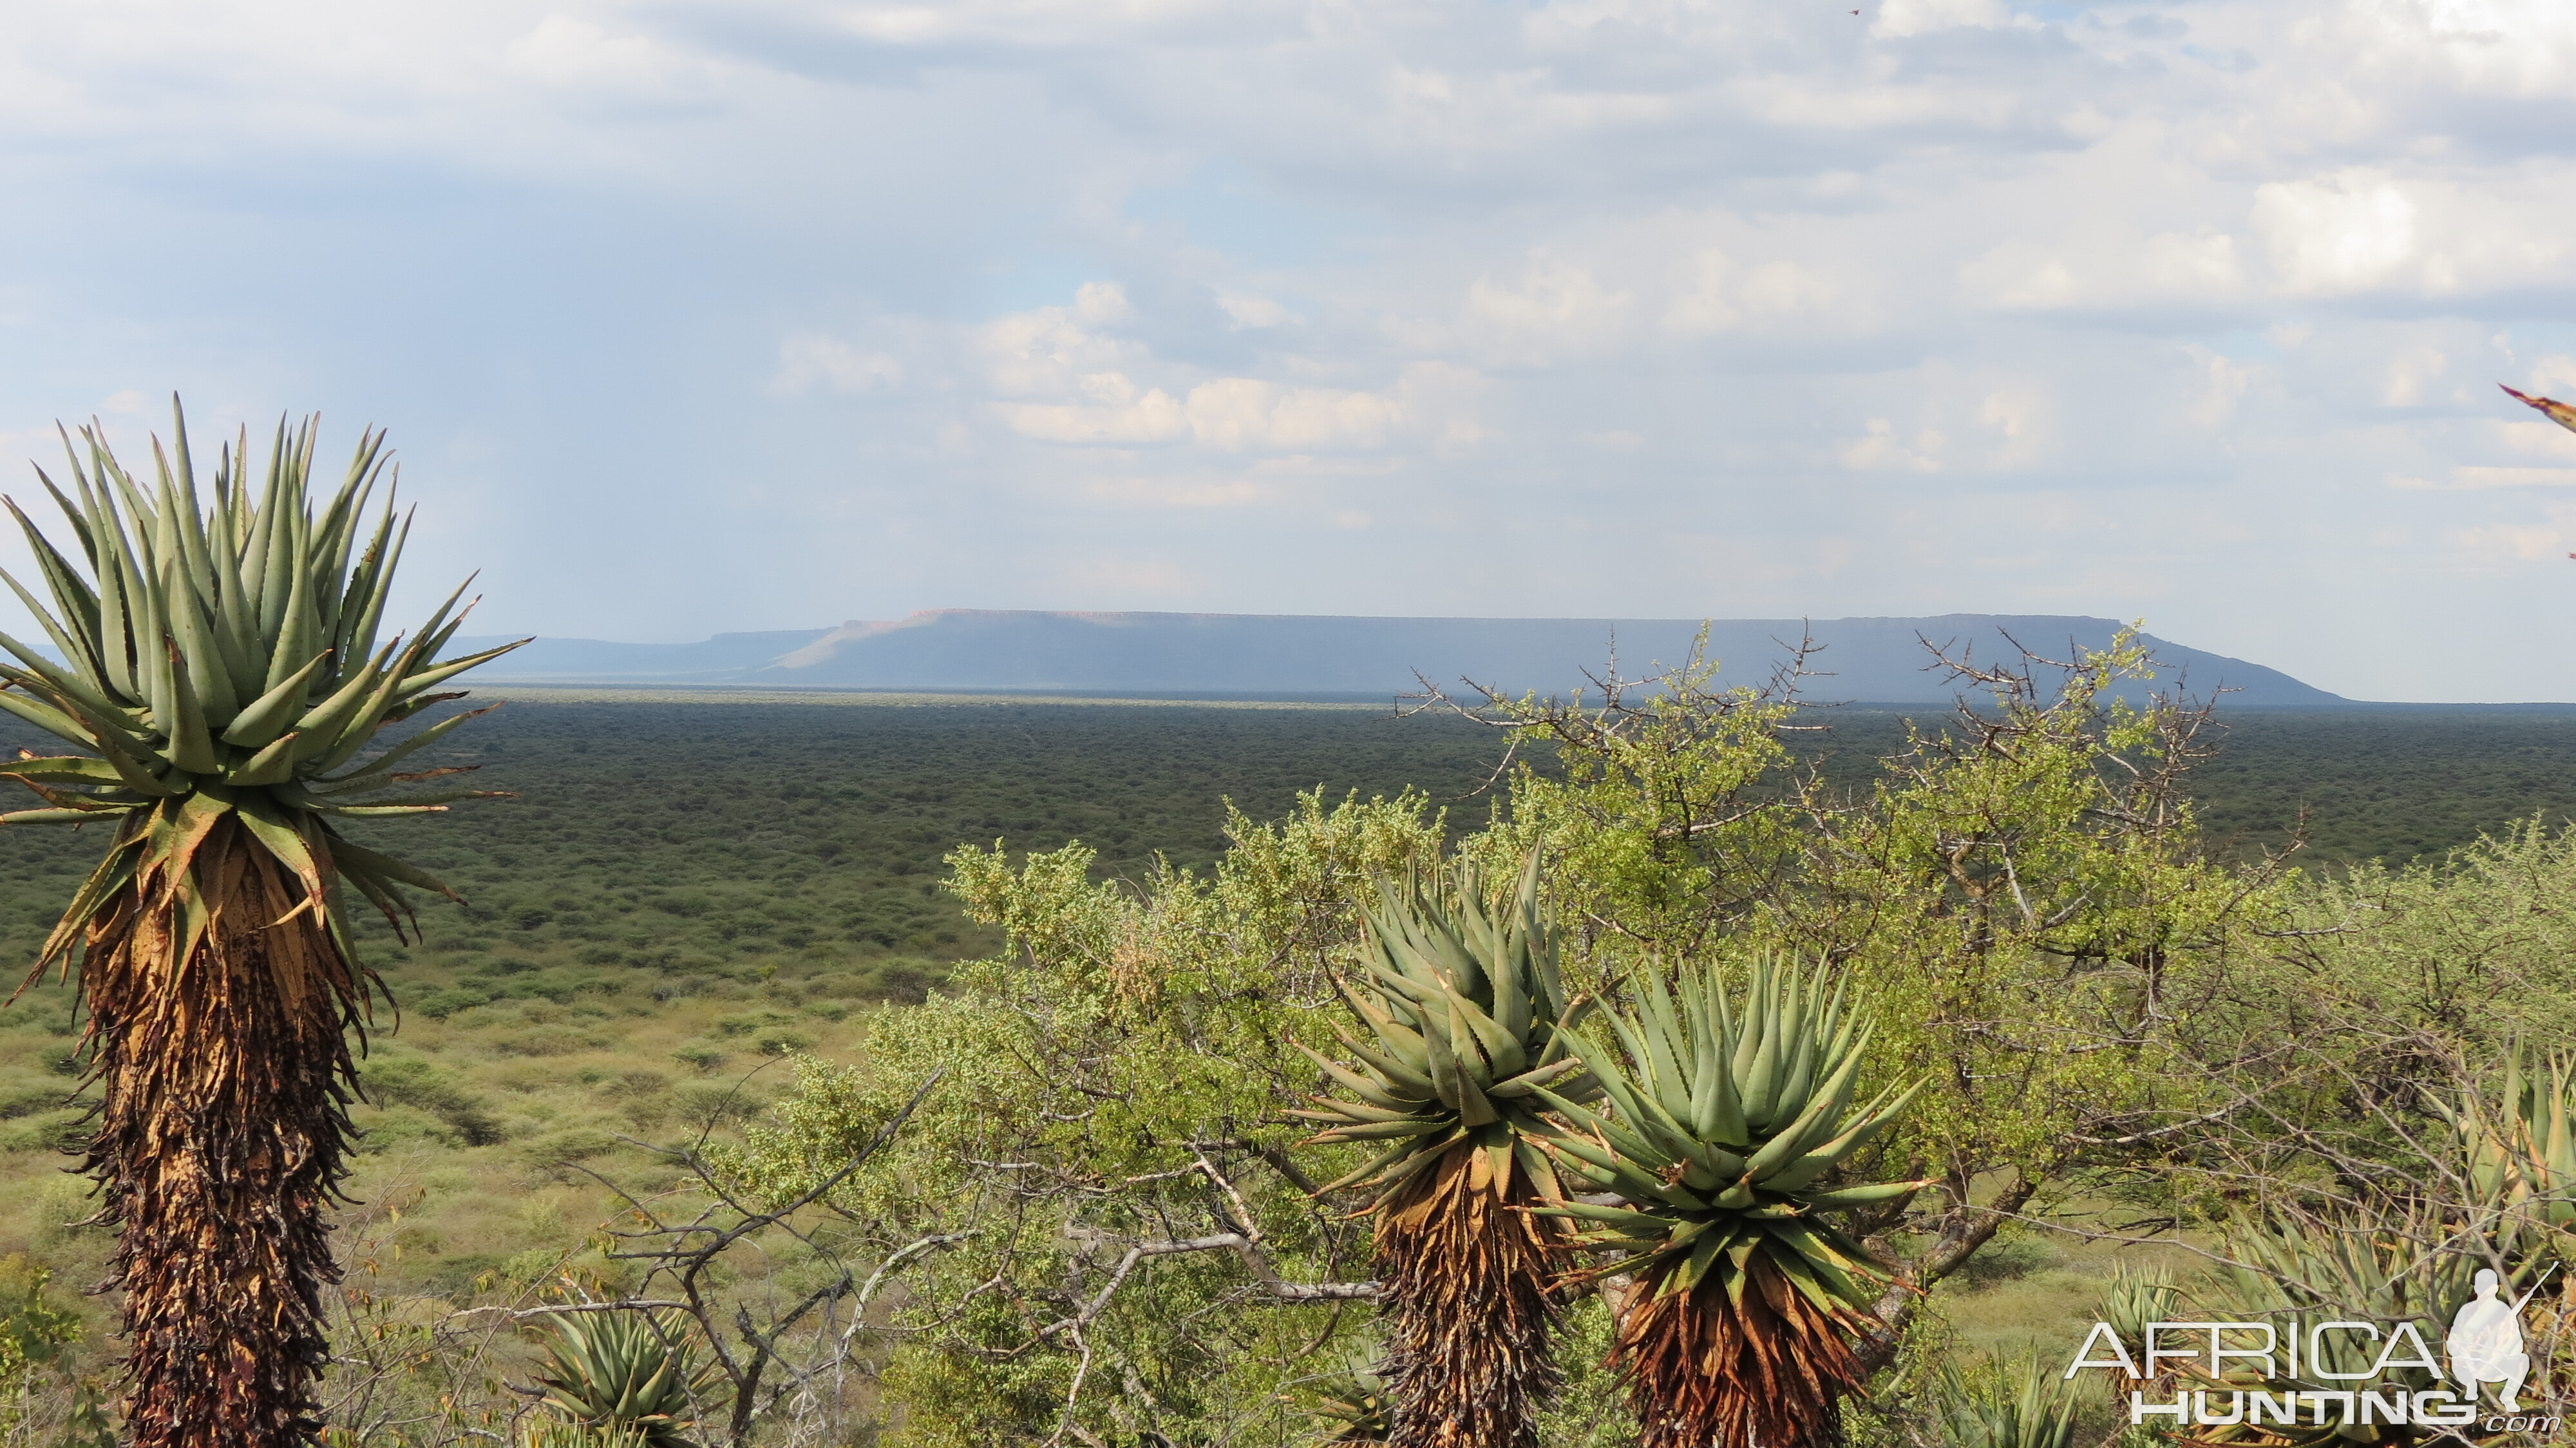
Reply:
x=778 y=1041
x=438 y=1005
x=406 y=1080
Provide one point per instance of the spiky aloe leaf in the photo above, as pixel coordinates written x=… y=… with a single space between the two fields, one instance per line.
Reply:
x=545 y=1430
x=2018 y=1403
x=2514 y=1224
x=2518 y=1152
x=1449 y=975
x=236 y=667
x=2386 y=1274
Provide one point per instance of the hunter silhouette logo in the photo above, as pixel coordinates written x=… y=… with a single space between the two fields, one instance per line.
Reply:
x=2295 y=1370
x=2486 y=1341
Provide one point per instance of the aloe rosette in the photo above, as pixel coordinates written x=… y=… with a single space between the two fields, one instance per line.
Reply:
x=215 y=662
x=1469 y=1023
x=1723 y=1142
x=625 y=1375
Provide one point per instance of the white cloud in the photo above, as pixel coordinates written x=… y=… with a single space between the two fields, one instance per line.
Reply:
x=1718 y=294
x=2227 y=383
x=2473 y=479
x=2410 y=373
x=1554 y=310
x=1245 y=310
x=2500 y=47
x=1049 y=350
x=1052 y=350
x=2487 y=548
x=2350 y=231
x=1228 y=414
x=2360 y=230
x=1878 y=449
x=812 y=361
x=1153 y=417
x=568 y=51
x=1901 y=18
x=2552 y=374
x=1236 y=413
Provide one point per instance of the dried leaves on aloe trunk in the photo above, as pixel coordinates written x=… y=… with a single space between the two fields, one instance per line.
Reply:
x=1467 y=1269
x=214 y=664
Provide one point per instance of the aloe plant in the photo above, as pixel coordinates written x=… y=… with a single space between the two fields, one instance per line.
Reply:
x=545 y=1430
x=1469 y=1022
x=625 y=1373
x=215 y=664
x=2513 y=1158
x=2016 y=1403
x=2135 y=1297
x=2518 y=1155
x=1726 y=1133
x=2382 y=1275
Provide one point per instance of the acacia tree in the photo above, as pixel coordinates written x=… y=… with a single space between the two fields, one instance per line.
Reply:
x=1101 y=1226
x=216 y=663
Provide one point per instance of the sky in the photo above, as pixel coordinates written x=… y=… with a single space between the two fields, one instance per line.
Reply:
x=691 y=316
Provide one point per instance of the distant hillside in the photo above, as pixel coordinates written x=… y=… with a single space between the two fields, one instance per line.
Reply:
x=1880 y=660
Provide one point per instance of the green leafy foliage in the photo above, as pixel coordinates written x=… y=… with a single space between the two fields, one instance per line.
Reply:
x=1353 y=1406
x=795 y=871
x=1118 y=1077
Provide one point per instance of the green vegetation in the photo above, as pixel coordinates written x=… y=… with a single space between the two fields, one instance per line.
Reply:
x=815 y=830
x=623 y=1373
x=2393 y=784
x=632 y=948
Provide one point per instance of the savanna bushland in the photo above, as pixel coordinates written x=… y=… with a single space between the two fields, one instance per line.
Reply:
x=718 y=946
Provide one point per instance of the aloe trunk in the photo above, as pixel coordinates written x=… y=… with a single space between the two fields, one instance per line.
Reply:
x=1466 y=1270
x=217 y=668
x=220 y=1139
